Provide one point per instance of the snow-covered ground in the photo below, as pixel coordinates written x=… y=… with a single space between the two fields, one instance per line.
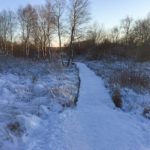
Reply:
x=135 y=92
x=28 y=91
x=94 y=124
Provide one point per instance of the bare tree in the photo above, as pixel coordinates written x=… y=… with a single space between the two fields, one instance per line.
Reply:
x=27 y=18
x=1 y=32
x=78 y=16
x=41 y=32
x=96 y=34
x=141 y=31
x=51 y=21
x=11 y=27
x=46 y=27
x=4 y=30
x=126 y=25
x=59 y=7
x=115 y=34
x=36 y=38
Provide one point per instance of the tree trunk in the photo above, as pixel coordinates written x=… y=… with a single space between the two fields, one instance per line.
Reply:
x=12 y=48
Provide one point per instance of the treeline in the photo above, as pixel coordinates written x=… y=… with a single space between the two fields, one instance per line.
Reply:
x=31 y=31
x=131 y=39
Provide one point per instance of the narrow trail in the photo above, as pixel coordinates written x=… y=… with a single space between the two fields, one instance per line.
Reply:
x=93 y=125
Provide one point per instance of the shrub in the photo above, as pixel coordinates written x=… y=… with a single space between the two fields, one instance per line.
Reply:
x=15 y=128
x=116 y=97
x=34 y=79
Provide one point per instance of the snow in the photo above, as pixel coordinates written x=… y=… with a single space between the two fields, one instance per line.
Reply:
x=94 y=124
x=29 y=91
x=135 y=97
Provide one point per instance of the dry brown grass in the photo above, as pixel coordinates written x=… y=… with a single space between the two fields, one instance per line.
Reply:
x=116 y=97
x=131 y=79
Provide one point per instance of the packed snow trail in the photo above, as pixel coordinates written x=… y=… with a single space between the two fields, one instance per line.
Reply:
x=94 y=124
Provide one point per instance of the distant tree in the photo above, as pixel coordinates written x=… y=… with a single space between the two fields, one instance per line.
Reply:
x=126 y=26
x=141 y=31
x=41 y=32
x=46 y=27
x=27 y=18
x=36 y=33
x=96 y=34
x=115 y=34
x=1 y=31
x=51 y=22
x=12 y=25
x=4 y=25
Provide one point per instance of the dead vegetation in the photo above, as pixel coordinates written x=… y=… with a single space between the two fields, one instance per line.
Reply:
x=15 y=128
x=128 y=83
x=131 y=79
x=116 y=97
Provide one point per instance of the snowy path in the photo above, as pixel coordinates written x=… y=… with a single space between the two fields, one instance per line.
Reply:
x=93 y=125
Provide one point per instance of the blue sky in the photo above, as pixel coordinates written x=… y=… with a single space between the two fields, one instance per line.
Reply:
x=106 y=12
x=110 y=12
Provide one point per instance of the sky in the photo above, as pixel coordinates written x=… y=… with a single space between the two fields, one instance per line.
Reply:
x=110 y=12
x=106 y=12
